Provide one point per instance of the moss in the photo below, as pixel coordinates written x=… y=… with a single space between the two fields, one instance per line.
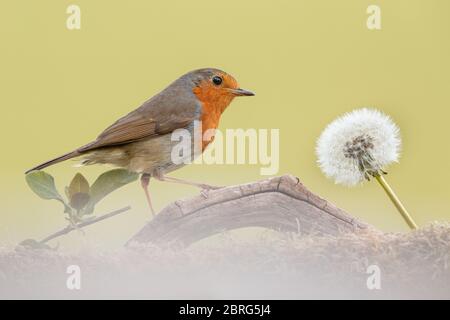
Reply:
x=270 y=265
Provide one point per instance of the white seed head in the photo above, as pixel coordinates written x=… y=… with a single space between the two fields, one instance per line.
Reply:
x=358 y=145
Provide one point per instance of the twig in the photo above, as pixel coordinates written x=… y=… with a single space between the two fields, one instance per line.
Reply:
x=84 y=224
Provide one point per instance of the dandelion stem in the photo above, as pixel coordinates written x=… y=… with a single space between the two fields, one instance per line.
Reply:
x=396 y=201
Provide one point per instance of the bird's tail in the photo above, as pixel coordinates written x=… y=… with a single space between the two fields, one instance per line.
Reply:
x=66 y=156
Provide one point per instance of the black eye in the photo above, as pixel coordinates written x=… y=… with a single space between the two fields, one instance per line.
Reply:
x=217 y=80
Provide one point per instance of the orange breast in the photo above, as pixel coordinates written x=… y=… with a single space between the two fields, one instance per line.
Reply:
x=213 y=104
x=210 y=120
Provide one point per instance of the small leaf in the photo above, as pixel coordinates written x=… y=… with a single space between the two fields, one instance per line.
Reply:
x=33 y=244
x=79 y=200
x=78 y=184
x=43 y=185
x=66 y=191
x=108 y=182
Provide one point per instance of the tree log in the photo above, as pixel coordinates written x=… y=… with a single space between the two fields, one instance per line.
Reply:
x=281 y=203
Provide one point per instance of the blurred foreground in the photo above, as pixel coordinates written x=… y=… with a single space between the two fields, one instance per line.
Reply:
x=271 y=266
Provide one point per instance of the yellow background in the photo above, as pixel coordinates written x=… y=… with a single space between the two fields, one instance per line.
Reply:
x=307 y=61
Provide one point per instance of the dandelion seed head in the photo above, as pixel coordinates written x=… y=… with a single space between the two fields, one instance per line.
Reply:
x=358 y=145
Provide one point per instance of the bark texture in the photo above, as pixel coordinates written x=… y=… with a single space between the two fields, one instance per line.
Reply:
x=281 y=203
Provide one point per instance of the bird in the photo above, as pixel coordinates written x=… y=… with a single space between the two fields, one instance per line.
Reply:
x=141 y=141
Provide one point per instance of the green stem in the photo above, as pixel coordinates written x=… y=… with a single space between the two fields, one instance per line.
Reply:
x=396 y=201
x=83 y=224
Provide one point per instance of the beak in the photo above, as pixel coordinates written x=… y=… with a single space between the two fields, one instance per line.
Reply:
x=241 y=92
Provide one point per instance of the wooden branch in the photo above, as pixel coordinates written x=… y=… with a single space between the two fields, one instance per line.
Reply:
x=280 y=203
x=68 y=229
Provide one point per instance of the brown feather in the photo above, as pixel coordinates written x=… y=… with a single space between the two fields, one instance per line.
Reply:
x=175 y=107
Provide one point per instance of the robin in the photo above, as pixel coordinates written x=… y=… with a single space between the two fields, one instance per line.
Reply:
x=141 y=141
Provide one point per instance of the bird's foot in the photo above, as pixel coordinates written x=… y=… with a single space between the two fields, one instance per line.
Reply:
x=206 y=188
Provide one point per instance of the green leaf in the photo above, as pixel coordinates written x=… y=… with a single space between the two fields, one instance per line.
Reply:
x=108 y=182
x=79 y=184
x=78 y=192
x=66 y=191
x=43 y=185
x=79 y=200
x=33 y=244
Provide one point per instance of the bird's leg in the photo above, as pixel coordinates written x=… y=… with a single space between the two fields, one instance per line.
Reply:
x=145 y=179
x=205 y=187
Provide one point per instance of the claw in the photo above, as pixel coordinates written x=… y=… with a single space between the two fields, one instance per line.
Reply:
x=205 y=193
x=209 y=187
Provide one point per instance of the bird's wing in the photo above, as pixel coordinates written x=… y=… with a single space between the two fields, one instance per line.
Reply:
x=160 y=115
